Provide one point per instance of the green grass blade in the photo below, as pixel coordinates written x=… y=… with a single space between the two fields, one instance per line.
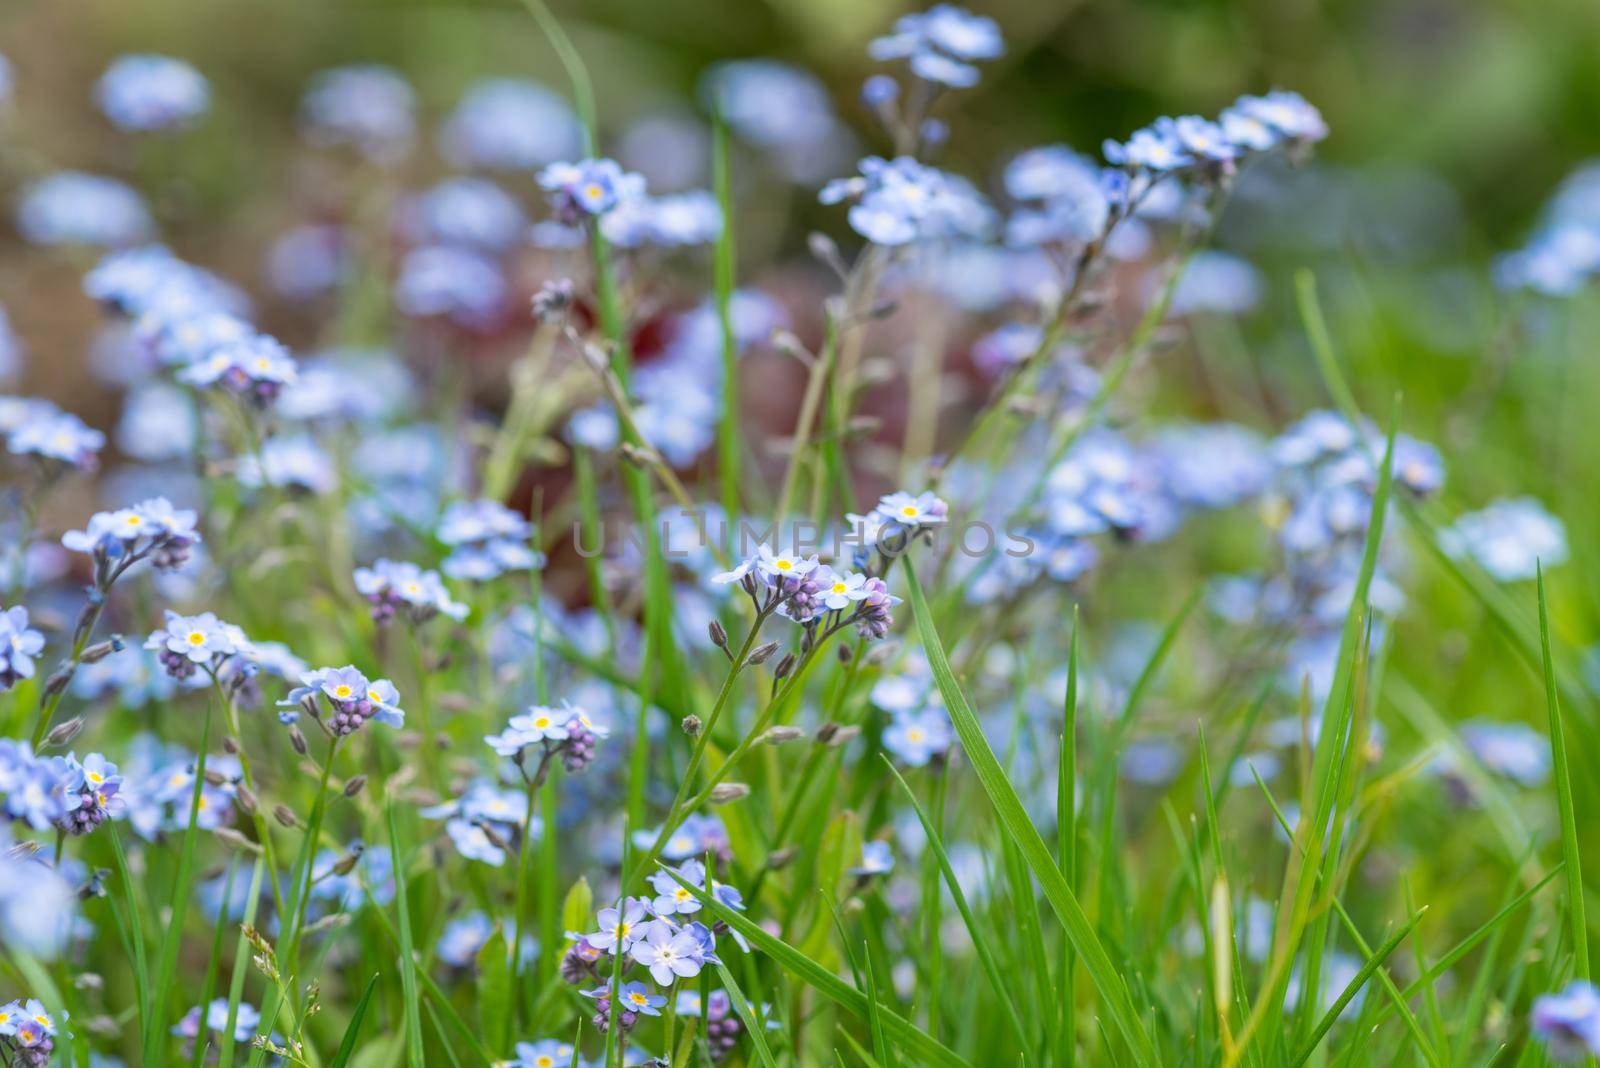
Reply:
x=724 y=272
x=1578 y=929
x=347 y=1045
x=753 y=1025
x=912 y=1038
x=155 y=1026
x=241 y=962
x=980 y=943
x=1014 y=818
x=408 y=959
x=1372 y=964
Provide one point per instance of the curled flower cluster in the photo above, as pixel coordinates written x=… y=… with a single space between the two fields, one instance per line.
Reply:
x=27 y=1033
x=351 y=699
x=900 y=201
x=38 y=429
x=392 y=586
x=566 y=732
x=145 y=93
x=1194 y=145
x=61 y=792
x=486 y=539
x=151 y=529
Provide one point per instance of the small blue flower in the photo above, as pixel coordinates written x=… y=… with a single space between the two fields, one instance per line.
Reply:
x=487 y=539
x=940 y=42
x=669 y=954
x=145 y=93
x=20 y=645
x=57 y=436
x=877 y=858
x=899 y=201
x=588 y=188
x=370 y=108
x=1569 y=1021
x=73 y=208
x=917 y=737
x=510 y=124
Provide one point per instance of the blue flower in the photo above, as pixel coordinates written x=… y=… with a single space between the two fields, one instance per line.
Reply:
x=1569 y=1021
x=294 y=461
x=369 y=108
x=73 y=208
x=187 y=642
x=1514 y=750
x=588 y=188
x=672 y=898
x=669 y=954
x=38 y=908
x=466 y=286
x=633 y=997
x=940 y=42
x=144 y=93
x=152 y=528
x=257 y=366
x=510 y=124
x=467 y=211
x=57 y=436
x=1286 y=112
x=877 y=858
x=899 y=201
x=619 y=926
x=487 y=538
x=918 y=737
x=20 y=644
x=1509 y=538
x=390 y=585
x=1203 y=139
x=1154 y=148
x=545 y=1053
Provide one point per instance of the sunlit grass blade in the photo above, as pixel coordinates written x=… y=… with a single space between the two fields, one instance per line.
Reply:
x=753 y=1025
x=1372 y=964
x=723 y=276
x=408 y=959
x=352 y=1032
x=1014 y=819
x=824 y=982
x=1578 y=930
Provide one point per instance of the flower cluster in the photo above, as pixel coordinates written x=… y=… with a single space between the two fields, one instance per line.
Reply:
x=350 y=697
x=61 y=792
x=940 y=45
x=39 y=429
x=186 y=644
x=567 y=732
x=151 y=529
x=588 y=188
x=27 y=1033
x=391 y=586
x=485 y=821
x=1194 y=145
x=144 y=93
x=20 y=645
x=653 y=934
x=900 y=201
x=1510 y=539
x=486 y=539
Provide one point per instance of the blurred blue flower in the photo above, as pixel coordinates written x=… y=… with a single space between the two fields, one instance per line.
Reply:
x=146 y=93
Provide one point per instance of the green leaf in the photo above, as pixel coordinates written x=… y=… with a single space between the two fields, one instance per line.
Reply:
x=578 y=909
x=1014 y=818
x=494 y=990
x=408 y=959
x=1578 y=929
x=347 y=1046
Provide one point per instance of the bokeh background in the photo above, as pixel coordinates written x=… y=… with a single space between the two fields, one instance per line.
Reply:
x=1452 y=121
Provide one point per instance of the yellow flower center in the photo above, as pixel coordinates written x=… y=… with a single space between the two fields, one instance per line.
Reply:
x=542 y=722
x=341 y=690
x=592 y=192
x=637 y=998
x=784 y=565
x=374 y=697
x=197 y=637
x=914 y=734
x=909 y=511
x=839 y=587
